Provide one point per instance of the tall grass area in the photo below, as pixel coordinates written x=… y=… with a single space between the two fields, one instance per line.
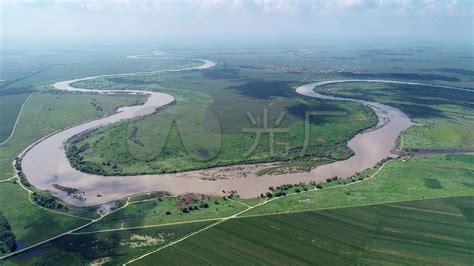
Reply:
x=434 y=232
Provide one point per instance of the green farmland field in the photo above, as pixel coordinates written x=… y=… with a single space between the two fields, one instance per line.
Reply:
x=436 y=231
x=10 y=106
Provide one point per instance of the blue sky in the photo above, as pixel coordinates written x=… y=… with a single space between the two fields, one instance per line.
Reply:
x=154 y=18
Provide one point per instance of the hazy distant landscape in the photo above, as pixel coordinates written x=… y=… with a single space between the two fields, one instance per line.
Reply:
x=294 y=145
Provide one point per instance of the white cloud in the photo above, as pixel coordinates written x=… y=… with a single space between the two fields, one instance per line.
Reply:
x=261 y=6
x=278 y=6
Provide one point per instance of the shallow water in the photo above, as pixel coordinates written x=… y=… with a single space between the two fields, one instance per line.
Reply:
x=45 y=163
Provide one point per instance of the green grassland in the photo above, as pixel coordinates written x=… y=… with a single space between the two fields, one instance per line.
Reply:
x=399 y=180
x=431 y=232
x=10 y=106
x=154 y=212
x=443 y=118
x=204 y=128
x=43 y=114
x=31 y=224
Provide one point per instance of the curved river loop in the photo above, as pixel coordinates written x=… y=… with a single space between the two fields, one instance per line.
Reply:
x=45 y=164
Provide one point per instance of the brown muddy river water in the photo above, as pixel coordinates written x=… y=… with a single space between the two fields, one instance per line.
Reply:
x=44 y=163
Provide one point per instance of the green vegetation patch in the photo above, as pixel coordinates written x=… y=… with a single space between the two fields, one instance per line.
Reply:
x=466 y=158
x=188 y=207
x=292 y=167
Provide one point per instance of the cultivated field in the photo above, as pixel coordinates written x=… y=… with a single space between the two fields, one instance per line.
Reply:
x=419 y=232
x=10 y=106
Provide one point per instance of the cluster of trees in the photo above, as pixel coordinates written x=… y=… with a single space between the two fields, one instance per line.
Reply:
x=77 y=161
x=19 y=172
x=334 y=178
x=281 y=191
x=7 y=238
x=203 y=204
x=48 y=202
x=73 y=154
x=97 y=105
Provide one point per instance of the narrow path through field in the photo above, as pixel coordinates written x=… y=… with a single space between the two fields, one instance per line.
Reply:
x=11 y=179
x=305 y=77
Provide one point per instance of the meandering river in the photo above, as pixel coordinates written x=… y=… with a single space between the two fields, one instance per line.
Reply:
x=45 y=163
